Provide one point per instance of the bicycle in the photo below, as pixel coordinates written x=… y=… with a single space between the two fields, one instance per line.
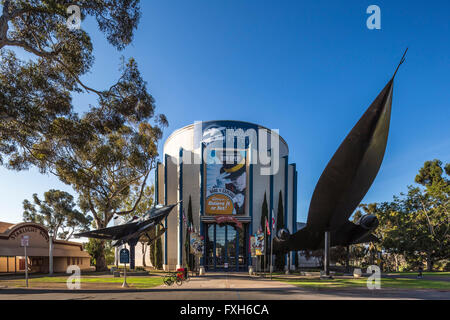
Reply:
x=173 y=277
x=186 y=276
x=168 y=279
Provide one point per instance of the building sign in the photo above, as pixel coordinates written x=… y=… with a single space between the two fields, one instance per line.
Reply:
x=29 y=229
x=226 y=182
x=25 y=241
x=229 y=219
x=124 y=256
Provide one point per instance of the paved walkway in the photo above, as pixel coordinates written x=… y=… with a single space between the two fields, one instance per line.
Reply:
x=223 y=286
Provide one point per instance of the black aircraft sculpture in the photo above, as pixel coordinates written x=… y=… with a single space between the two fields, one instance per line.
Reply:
x=131 y=231
x=343 y=184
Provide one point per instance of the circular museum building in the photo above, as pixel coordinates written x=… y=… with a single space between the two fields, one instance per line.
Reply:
x=224 y=173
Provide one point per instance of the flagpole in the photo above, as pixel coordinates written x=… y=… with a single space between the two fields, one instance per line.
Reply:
x=265 y=249
x=271 y=250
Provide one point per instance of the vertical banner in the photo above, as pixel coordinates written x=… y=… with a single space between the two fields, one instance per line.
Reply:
x=226 y=182
x=258 y=243
x=225 y=146
x=196 y=244
x=253 y=246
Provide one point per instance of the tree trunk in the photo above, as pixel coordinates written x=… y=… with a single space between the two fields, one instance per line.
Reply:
x=152 y=254
x=100 y=260
x=429 y=264
x=143 y=248
x=396 y=262
x=101 y=263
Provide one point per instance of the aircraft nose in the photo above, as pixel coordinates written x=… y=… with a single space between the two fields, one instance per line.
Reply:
x=283 y=234
x=369 y=222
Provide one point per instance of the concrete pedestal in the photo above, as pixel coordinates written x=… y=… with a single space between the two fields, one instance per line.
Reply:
x=202 y=271
x=323 y=275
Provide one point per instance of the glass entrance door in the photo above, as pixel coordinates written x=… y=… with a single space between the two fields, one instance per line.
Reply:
x=221 y=247
x=231 y=248
x=225 y=248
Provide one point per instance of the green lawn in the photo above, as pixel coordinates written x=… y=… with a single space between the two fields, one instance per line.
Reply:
x=415 y=273
x=400 y=283
x=135 y=282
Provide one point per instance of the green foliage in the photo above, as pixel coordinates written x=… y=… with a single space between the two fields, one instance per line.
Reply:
x=190 y=215
x=152 y=248
x=264 y=217
x=141 y=282
x=415 y=226
x=431 y=174
x=400 y=283
x=280 y=258
x=105 y=156
x=102 y=153
x=190 y=222
x=56 y=212
x=35 y=93
x=101 y=252
x=158 y=254
x=264 y=213
x=142 y=208
x=280 y=212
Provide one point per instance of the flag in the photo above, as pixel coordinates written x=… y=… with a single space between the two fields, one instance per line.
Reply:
x=273 y=223
x=267 y=227
x=190 y=228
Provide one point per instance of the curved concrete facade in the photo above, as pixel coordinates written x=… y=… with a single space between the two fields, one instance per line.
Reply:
x=225 y=168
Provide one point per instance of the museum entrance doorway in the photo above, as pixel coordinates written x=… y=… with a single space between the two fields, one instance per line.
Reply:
x=226 y=248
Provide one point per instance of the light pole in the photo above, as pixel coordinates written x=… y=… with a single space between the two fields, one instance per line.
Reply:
x=50 y=253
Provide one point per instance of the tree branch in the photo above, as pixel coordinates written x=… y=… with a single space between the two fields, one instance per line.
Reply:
x=138 y=199
x=94 y=212
x=26 y=47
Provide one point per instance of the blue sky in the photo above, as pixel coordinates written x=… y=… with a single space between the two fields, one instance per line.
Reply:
x=308 y=68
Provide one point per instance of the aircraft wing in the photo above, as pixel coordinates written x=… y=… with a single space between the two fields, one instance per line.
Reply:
x=157 y=236
x=367 y=238
x=108 y=233
x=306 y=239
x=132 y=230
x=353 y=168
x=136 y=234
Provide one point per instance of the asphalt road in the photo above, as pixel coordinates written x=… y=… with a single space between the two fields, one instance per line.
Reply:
x=219 y=286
